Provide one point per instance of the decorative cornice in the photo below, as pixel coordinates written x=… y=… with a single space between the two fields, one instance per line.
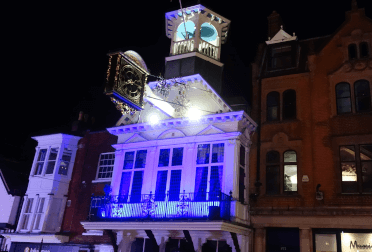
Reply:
x=199 y=226
x=182 y=122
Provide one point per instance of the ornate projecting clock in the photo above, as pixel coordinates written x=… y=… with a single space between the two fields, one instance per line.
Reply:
x=126 y=79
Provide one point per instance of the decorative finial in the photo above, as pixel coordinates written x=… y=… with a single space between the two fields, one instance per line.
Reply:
x=281 y=27
x=354 y=5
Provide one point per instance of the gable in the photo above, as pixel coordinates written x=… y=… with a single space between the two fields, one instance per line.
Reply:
x=171 y=133
x=136 y=138
x=210 y=130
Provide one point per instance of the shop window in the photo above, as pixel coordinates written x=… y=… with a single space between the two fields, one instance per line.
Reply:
x=364 y=52
x=362 y=96
x=281 y=175
x=343 y=98
x=289 y=104
x=141 y=245
x=106 y=165
x=352 y=49
x=179 y=245
x=209 y=168
x=356 y=168
x=219 y=246
x=132 y=176
x=273 y=107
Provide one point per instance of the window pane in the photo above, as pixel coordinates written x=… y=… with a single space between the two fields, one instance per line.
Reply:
x=289 y=104
x=177 y=156
x=290 y=178
x=141 y=159
x=106 y=165
x=161 y=185
x=242 y=155
x=216 y=181
x=366 y=152
x=42 y=155
x=203 y=154
x=51 y=160
x=124 y=186
x=65 y=162
x=362 y=95
x=241 y=185
x=349 y=177
x=164 y=158
x=29 y=205
x=272 y=104
x=175 y=185
x=347 y=153
x=217 y=153
x=128 y=160
x=343 y=99
x=352 y=51
x=272 y=180
x=325 y=242
x=367 y=176
x=50 y=167
x=201 y=180
x=272 y=157
x=136 y=186
x=364 y=52
x=290 y=156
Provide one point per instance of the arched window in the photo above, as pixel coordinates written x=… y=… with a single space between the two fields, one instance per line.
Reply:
x=185 y=30
x=290 y=171
x=343 y=98
x=364 y=52
x=289 y=104
x=273 y=108
x=362 y=96
x=352 y=51
x=272 y=173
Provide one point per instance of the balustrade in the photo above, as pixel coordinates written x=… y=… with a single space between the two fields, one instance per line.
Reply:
x=202 y=205
x=208 y=49
x=183 y=46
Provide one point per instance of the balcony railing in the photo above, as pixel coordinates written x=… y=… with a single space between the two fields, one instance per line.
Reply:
x=198 y=206
x=208 y=49
x=183 y=46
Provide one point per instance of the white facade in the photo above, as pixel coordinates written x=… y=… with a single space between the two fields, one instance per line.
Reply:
x=8 y=204
x=46 y=195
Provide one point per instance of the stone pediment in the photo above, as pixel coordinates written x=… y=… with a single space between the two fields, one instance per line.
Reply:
x=171 y=133
x=354 y=66
x=210 y=130
x=136 y=138
x=281 y=36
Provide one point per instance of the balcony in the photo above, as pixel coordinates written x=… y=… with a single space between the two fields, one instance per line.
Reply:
x=188 y=45
x=160 y=207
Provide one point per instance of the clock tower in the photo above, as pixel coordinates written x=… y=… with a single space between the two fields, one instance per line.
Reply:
x=196 y=35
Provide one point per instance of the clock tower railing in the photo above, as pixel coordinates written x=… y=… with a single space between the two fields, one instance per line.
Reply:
x=188 y=45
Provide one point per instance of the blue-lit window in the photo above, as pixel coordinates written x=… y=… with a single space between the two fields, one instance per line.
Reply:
x=132 y=176
x=175 y=185
x=175 y=153
x=211 y=158
x=161 y=185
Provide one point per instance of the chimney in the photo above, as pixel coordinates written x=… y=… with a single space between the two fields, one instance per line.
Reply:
x=274 y=22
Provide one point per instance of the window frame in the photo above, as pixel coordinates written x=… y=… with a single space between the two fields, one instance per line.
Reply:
x=128 y=197
x=168 y=168
x=99 y=166
x=358 y=164
x=281 y=106
x=209 y=167
x=353 y=97
x=280 y=176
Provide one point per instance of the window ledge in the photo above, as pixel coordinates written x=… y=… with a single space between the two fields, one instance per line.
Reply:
x=102 y=180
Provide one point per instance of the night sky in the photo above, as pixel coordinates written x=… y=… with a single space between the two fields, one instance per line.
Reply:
x=54 y=59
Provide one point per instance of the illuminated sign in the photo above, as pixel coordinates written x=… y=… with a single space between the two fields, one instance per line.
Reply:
x=357 y=242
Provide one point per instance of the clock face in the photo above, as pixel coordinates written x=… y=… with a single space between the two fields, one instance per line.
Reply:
x=130 y=82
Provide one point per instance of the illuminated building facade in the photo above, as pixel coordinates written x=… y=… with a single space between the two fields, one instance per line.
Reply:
x=172 y=177
x=311 y=170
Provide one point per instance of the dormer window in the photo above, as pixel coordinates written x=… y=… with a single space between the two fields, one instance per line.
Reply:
x=281 y=57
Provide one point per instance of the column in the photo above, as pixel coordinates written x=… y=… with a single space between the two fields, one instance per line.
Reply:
x=259 y=240
x=305 y=239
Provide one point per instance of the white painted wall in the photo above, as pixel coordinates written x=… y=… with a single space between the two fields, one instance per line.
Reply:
x=8 y=205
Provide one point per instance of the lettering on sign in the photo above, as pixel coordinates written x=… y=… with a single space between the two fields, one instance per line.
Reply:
x=27 y=249
x=355 y=245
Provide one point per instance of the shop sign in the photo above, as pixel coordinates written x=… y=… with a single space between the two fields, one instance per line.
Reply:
x=357 y=242
x=45 y=247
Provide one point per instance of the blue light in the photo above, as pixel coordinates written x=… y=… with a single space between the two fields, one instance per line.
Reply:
x=190 y=29
x=208 y=32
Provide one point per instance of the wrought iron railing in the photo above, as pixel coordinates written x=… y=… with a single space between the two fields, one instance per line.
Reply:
x=203 y=205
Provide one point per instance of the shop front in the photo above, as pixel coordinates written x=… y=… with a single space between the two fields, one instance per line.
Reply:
x=337 y=240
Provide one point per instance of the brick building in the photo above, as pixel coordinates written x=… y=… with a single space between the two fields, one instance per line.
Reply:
x=311 y=161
